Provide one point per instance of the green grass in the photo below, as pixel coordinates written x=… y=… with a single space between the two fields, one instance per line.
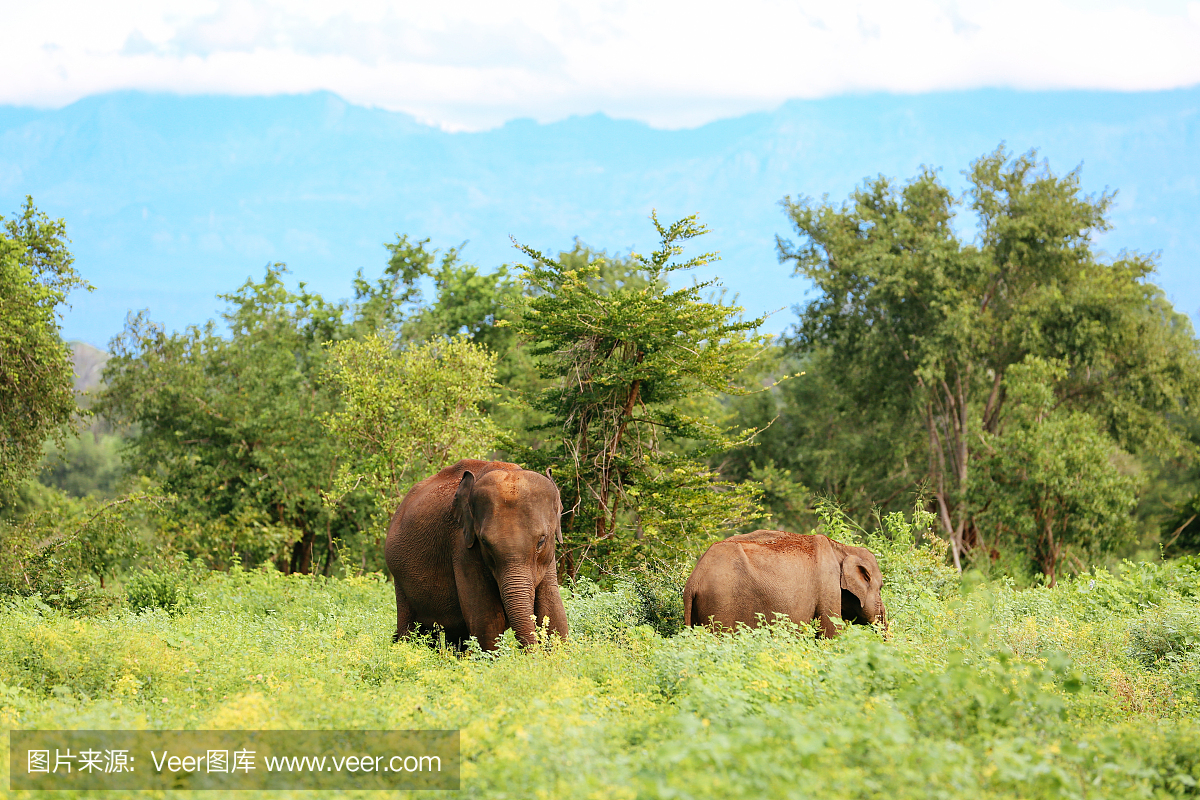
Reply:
x=1086 y=690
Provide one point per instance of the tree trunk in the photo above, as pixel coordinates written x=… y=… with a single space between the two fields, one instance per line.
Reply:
x=329 y=548
x=937 y=470
x=1052 y=548
x=302 y=555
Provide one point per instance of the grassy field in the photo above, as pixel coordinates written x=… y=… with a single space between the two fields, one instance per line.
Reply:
x=1085 y=690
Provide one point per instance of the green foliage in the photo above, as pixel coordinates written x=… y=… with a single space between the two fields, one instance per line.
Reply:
x=650 y=597
x=481 y=306
x=28 y=497
x=593 y=612
x=1171 y=503
x=1001 y=693
x=108 y=535
x=786 y=499
x=406 y=413
x=249 y=535
x=682 y=506
x=622 y=351
x=659 y=587
x=1183 y=528
x=911 y=555
x=816 y=440
x=85 y=465
x=171 y=589
x=36 y=398
x=63 y=552
x=1051 y=484
x=47 y=569
x=228 y=423
x=914 y=331
x=1163 y=636
x=466 y=303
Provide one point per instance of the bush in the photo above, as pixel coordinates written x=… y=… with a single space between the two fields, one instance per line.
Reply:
x=62 y=551
x=648 y=596
x=38 y=561
x=1163 y=636
x=172 y=589
x=592 y=612
x=660 y=591
x=1000 y=693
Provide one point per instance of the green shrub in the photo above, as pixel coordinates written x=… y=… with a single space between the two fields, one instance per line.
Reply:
x=62 y=552
x=647 y=596
x=660 y=590
x=592 y=612
x=998 y=693
x=1163 y=636
x=36 y=560
x=169 y=588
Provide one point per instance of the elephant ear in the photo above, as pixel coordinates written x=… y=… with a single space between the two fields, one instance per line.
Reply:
x=462 y=502
x=856 y=577
x=557 y=528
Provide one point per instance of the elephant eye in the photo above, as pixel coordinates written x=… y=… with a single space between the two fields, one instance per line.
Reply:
x=541 y=542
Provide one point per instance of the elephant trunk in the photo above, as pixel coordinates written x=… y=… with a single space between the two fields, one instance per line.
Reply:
x=516 y=592
x=883 y=621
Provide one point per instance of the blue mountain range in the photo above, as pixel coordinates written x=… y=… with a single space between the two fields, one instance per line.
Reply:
x=170 y=200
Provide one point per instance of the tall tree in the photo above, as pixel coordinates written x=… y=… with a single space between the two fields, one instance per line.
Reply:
x=621 y=350
x=920 y=325
x=36 y=377
x=229 y=423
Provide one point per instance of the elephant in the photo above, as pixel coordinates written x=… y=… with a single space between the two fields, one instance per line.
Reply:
x=471 y=551
x=803 y=576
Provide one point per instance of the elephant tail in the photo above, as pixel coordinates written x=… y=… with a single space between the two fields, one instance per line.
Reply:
x=689 y=604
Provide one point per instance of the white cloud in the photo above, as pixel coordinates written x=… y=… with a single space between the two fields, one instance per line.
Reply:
x=672 y=63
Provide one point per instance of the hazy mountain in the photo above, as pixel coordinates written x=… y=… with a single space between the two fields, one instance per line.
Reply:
x=88 y=362
x=170 y=200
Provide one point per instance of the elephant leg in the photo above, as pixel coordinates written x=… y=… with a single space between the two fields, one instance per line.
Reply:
x=486 y=627
x=479 y=600
x=404 y=615
x=827 y=629
x=547 y=603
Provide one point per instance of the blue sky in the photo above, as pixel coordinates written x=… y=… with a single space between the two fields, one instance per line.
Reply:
x=671 y=63
x=473 y=66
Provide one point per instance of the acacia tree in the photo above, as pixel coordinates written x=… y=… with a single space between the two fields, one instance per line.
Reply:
x=620 y=356
x=911 y=321
x=36 y=377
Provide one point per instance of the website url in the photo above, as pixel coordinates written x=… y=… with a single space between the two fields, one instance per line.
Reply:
x=353 y=764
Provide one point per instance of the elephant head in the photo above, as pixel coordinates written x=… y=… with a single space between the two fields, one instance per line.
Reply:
x=512 y=520
x=861 y=584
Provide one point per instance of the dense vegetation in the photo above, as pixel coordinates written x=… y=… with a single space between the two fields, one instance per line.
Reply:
x=1009 y=423
x=1088 y=689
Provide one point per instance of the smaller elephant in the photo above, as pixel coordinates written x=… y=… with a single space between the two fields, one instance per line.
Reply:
x=803 y=576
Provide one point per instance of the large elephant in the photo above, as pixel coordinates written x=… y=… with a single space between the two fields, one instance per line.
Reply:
x=471 y=550
x=804 y=576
